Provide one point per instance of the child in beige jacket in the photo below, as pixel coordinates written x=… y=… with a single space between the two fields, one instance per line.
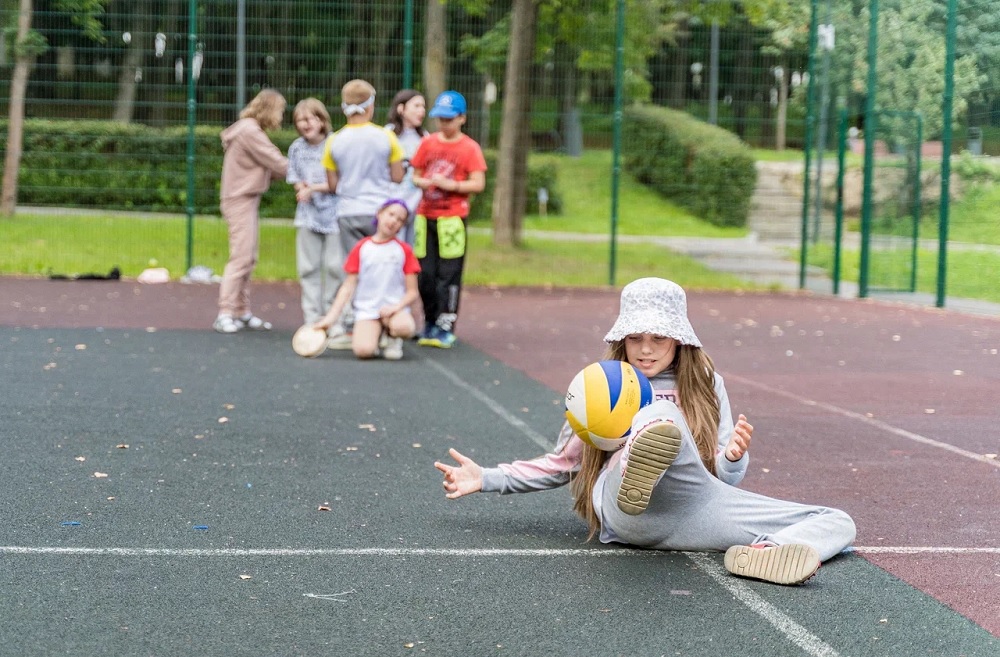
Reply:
x=251 y=161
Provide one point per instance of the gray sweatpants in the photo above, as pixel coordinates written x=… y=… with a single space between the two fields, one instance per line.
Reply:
x=692 y=510
x=320 y=264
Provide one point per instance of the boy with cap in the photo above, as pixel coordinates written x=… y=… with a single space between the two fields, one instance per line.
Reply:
x=448 y=166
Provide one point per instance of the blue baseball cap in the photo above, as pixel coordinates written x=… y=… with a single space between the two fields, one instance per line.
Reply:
x=448 y=105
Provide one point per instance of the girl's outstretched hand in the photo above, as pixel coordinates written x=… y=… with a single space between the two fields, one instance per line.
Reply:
x=739 y=442
x=462 y=480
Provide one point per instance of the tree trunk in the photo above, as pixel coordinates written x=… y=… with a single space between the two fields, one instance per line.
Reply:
x=128 y=78
x=162 y=70
x=435 y=50
x=779 y=136
x=512 y=163
x=15 y=127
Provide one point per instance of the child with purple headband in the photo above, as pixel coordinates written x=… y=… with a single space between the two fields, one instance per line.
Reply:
x=381 y=284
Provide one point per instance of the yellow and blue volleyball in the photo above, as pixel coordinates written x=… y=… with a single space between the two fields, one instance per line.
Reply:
x=601 y=401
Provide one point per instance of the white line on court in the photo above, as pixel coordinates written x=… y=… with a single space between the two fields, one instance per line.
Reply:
x=422 y=552
x=795 y=633
x=511 y=419
x=909 y=435
x=321 y=552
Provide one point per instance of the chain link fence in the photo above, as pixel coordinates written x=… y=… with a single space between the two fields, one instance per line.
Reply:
x=123 y=96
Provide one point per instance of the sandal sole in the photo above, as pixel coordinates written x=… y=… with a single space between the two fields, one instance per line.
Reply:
x=652 y=452
x=782 y=564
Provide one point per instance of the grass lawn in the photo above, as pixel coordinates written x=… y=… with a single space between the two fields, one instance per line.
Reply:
x=40 y=245
x=585 y=184
x=970 y=274
x=87 y=242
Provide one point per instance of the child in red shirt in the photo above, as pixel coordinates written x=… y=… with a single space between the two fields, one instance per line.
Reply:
x=448 y=166
x=381 y=285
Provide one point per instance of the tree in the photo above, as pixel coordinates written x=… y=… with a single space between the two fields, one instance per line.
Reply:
x=911 y=62
x=131 y=71
x=28 y=45
x=435 y=49
x=515 y=136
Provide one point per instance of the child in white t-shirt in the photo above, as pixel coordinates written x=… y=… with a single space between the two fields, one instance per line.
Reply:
x=381 y=284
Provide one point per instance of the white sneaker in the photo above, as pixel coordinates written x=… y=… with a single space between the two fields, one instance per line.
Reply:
x=254 y=323
x=393 y=349
x=227 y=324
x=339 y=339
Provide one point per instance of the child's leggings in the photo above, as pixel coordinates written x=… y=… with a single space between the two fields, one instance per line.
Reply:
x=690 y=509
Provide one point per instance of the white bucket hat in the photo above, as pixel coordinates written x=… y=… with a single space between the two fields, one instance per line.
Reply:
x=656 y=306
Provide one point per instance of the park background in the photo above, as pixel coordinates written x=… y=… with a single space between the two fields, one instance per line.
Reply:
x=816 y=126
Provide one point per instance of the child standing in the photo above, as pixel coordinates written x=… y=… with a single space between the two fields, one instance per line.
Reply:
x=673 y=485
x=361 y=160
x=406 y=120
x=319 y=258
x=382 y=282
x=250 y=162
x=448 y=166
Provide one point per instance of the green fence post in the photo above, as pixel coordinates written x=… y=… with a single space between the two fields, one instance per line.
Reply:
x=917 y=203
x=870 y=121
x=838 y=224
x=192 y=38
x=946 y=105
x=408 y=46
x=617 y=136
x=810 y=119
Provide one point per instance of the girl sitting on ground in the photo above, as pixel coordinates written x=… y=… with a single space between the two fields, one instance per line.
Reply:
x=672 y=486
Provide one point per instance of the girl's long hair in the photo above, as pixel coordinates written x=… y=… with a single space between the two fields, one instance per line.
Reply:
x=395 y=118
x=695 y=373
x=267 y=107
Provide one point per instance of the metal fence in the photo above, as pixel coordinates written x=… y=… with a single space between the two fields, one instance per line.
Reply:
x=142 y=78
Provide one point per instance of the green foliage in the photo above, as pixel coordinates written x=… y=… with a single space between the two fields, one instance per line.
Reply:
x=972 y=169
x=86 y=15
x=117 y=166
x=699 y=166
x=541 y=173
x=33 y=44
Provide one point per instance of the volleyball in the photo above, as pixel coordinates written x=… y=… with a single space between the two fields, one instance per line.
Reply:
x=601 y=401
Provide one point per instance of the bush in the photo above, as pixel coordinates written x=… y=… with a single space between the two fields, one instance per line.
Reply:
x=541 y=173
x=701 y=167
x=128 y=166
